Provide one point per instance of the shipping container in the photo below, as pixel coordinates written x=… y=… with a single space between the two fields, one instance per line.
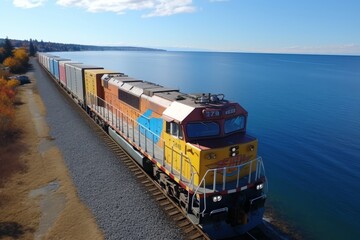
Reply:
x=75 y=80
x=50 y=65
x=45 y=60
x=62 y=71
x=56 y=69
x=93 y=84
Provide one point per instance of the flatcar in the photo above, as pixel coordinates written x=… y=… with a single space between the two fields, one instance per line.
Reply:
x=194 y=145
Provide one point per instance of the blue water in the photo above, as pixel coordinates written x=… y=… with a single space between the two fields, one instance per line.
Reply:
x=305 y=110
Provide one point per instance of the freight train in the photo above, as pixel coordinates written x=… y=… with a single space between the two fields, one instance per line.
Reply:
x=194 y=145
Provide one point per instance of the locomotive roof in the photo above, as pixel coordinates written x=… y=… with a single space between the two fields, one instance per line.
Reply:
x=138 y=87
x=119 y=80
x=180 y=104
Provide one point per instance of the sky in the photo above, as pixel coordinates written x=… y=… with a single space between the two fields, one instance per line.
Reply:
x=275 y=26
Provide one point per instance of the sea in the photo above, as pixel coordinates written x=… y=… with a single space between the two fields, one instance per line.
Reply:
x=305 y=111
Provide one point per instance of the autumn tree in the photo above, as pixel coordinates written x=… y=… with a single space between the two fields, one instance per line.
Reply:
x=18 y=62
x=22 y=55
x=7 y=99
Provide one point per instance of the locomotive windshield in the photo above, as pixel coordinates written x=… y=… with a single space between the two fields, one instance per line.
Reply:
x=234 y=124
x=214 y=128
x=202 y=129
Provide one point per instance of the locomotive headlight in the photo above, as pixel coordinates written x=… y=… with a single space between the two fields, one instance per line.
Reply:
x=234 y=151
x=251 y=148
x=259 y=186
x=217 y=198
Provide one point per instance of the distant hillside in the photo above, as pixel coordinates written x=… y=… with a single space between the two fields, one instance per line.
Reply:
x=42 y=46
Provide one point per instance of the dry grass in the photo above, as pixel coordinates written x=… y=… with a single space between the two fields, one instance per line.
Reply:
x=23 y=168
x=10 y=151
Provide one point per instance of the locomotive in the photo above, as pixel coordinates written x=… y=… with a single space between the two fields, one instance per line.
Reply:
x=194 y=145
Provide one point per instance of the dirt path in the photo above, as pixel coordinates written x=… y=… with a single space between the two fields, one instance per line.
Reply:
x=37 y=197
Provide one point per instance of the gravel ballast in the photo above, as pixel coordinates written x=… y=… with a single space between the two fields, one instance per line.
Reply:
x=121 y=206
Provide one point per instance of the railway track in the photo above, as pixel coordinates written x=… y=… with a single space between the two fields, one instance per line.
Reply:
x=174 y=212
x=190 y=230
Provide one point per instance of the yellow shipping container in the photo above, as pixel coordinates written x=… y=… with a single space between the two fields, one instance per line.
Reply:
x=93 y=81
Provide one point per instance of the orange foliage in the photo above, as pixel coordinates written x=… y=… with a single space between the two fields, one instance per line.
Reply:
x=7 y=98
x=18 y=62
x=14 y=64
x=21 y=55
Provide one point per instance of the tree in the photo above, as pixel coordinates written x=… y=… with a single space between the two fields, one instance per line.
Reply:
x=2 y=54
x=14 y=64
x=21 y=55
x=18 y=62
x=32 y=49
x=7 y=99
x=8 y=47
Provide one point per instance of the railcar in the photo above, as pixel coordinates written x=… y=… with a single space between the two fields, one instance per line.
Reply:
x=76 y=81
x=194 y=145
x=55 y=69
x=62 y=71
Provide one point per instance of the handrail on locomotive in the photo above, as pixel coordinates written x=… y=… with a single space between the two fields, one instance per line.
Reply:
x=259 y=175
x=124 y=126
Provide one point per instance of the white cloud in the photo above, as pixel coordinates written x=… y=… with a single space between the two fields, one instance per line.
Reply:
x=157 y=7
x=28 y=3
x=167 y=8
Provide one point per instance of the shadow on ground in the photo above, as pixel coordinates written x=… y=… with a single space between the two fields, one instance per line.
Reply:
x=12 y=229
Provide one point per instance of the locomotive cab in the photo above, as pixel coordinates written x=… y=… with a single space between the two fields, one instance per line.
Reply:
x=227 y=176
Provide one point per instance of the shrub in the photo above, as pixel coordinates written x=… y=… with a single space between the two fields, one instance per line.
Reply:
x=7 y=109
x=14 y=64
x=18 y=62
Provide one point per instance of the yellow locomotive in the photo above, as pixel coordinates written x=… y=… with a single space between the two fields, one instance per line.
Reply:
x=195 y=145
